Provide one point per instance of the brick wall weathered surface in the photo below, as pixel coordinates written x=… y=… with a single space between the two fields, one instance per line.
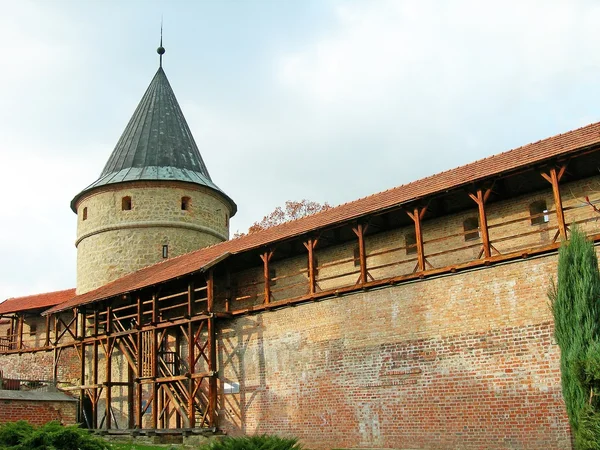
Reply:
x=463 y=361
x=38 y=412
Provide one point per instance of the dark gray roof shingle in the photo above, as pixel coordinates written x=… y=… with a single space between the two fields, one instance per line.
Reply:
x=157 y=144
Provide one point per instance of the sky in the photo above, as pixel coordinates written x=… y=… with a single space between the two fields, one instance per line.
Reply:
x=327 y=100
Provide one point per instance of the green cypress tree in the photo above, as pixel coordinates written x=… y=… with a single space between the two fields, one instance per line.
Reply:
x=575 y=302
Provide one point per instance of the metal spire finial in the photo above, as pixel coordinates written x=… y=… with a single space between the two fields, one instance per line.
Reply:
x=161 y=50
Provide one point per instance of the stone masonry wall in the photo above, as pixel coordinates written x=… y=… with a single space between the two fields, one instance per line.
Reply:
x=463 y=361
x=112 y=242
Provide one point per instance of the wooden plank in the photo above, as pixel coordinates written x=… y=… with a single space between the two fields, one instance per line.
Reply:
x=416 y=216
x=362 y=256
x=266 y=257
x=212 y=367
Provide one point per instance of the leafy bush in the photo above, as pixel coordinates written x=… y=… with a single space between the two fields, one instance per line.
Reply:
x=263 y=442
x=52 y=436
x=13 y=433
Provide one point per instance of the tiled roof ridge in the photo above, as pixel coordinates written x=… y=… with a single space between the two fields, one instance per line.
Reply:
x=181 y=265
x=24 y=297
x=410 y=183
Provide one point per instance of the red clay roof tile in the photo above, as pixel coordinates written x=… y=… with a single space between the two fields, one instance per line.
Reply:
x=558 y=145
x=38 y=301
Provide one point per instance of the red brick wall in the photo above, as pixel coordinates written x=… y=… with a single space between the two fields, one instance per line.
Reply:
x=463 y=361
x=38 y=412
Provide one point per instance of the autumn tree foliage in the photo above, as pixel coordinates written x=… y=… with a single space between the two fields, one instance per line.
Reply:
x=291 y=211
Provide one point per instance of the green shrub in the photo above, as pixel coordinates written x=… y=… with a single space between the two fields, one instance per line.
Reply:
x=263 y=442
x=52 y=436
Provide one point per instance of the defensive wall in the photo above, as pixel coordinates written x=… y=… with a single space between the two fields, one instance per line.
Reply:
x=437 y=348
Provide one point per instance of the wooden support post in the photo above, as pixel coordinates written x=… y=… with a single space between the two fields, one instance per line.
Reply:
x=20 y=332
x=554 y=178
x=55 y=329
x=109 y=320
x=190 y=299
x=212 y=367
x=210 y=291
x=480 y=199
x=95 y=371
x=191 y=381
x=154 y=361
x=130 y=397
x=154 y=309
x=47 y=341
x=228 y=290
x=108 y=383
x=362 y=255
x=82 y=383
x=312 y=283
x=266 y=257
x=140 y=373
x=417 y=216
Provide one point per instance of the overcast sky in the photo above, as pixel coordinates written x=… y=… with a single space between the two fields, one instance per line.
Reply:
x=326 y=100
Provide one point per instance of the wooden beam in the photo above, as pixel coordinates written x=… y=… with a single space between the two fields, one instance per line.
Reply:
x=20 y=333
x=362 y=255
x=417 y=216
x=190 y=299
x=108 y=379
x=191 y=382
x=480 y=198
x=554 y=178
x=154 y=367
x=210 y=291
x=47 y=340
x=212 y=380
x=266 y=257
x=82 y=382
x=310 y=246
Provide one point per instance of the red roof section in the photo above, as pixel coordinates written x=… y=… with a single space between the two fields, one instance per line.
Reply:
x=38 y=301
x=558 y=145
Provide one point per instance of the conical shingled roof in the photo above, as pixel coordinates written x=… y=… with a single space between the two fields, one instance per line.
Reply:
x=157 y=144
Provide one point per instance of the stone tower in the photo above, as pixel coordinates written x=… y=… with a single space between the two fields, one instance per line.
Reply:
x=153 y=200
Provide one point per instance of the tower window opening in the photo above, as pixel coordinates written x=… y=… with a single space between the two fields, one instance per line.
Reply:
x=32 y=329
x=410 y=242
x=126 y=203
x=471 y=228
x=538 y=211
x=84 y=214
x=165 y=251
x=272 y=276
x=185 y=203
x=226 y=219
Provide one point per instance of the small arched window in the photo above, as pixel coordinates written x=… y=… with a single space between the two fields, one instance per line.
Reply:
x=538 y=211
x=185 y=203
x=84 y=214
x=471 y=228
x=126 y=203
x=410 y=242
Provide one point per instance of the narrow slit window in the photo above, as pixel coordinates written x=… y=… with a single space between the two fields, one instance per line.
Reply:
x=84 y=214
x=226 y=219
x=272 y=277
x=32 y=329
x=538 y=212
x=126 y=203
x=471 y=228
x=410 y=242
x=185 y=203
x=165 y=251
